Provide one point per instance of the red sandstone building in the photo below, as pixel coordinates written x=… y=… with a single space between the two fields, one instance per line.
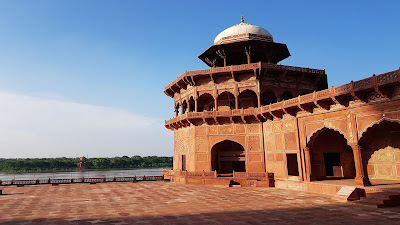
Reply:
x=248 y=115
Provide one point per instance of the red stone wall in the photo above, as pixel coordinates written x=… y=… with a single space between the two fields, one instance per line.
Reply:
x=198 y=146
x=281 y=138
x=266 y=144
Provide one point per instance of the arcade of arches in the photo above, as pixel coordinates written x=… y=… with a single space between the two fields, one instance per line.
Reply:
x=228 y=101
x=330 y=156
x=326 y=156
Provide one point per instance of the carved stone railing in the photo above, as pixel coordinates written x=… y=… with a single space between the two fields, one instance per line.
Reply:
x=239 y=174
x=194 y=174
x=277 y=105
x=343 y=88
x=243 y=67
x=223 y=113
x=291 y=102
x=195 y=115
x=386 y=77
x=362 y=83
x=307 y=98
x=237 y=112
x=323 y=94
x=208 y=114
x=249 y=111
x=210 y=174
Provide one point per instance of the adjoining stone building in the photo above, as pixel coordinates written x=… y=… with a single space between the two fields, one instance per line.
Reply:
x=247 y=115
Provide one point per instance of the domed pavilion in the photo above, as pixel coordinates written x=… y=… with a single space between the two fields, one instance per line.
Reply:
x=248 y=120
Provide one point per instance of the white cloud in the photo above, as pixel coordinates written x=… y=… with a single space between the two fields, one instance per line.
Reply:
x=44 y=127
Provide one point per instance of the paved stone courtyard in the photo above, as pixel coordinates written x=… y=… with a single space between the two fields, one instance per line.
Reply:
x=157 y=202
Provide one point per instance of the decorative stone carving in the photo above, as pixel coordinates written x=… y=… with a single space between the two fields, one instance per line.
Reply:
x=239 y=129
x=290 y=141
x=201 y=144
x=254 y=143
x=212 y=130
x=201 y=131
x=202 y=157
x=255 y=158
x=289 y=124
x=226 y=129
x=253 y=129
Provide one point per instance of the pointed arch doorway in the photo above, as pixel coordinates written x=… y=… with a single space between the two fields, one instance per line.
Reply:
x=228 y=156
x=380 y=151
x=331 y=156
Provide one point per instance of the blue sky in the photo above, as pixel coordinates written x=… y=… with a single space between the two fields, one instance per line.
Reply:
x=113 y=58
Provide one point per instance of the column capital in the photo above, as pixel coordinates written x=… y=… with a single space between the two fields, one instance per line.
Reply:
x=355 y=146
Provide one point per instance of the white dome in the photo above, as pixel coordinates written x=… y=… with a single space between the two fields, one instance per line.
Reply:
x=242 y=28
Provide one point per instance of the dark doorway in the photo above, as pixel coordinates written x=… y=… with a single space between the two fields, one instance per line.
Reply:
x=292 y=166
x=238 y=166
x=228 y=156
x=330 y=156
x=183 y=162
x=333 y=167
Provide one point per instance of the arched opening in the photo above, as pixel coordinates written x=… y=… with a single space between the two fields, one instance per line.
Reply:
x=177 y=107
x=331 y=157
x=380 y=152
x=205 y=103
x=184 y=107
x=191 y=104
x=286 y=95
x=247 y=99
x=228 y=156
x=226 y=101
x=268 y=97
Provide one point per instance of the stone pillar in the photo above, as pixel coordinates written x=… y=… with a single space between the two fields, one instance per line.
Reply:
x=236 y=102
x=247 y=51
x=181 y=109
x=307 y=160
x=195 y=105
x=361 y=179
x=215 y=103
x=248 y=59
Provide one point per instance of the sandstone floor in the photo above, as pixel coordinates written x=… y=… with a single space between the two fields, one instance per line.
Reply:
x=158 y=202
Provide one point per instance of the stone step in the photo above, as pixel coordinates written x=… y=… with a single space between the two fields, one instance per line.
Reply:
x=380 y=200
x=368 y=204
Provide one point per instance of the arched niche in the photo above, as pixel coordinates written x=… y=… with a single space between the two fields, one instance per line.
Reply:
x=330 y=155
x=226 y=101
x=177 y=109
x=247 y=99
x=380 y=151
x=191 y=104
x=205 y=102
x=184 y=107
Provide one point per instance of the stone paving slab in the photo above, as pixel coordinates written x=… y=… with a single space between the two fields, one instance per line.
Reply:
x=158 y=202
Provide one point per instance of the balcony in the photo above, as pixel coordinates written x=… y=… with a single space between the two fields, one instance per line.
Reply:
x=381 y=84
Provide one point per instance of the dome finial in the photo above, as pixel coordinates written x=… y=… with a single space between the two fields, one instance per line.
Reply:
x=242 y=18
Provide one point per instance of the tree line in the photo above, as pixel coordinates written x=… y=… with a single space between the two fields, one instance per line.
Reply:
x=48 y=164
